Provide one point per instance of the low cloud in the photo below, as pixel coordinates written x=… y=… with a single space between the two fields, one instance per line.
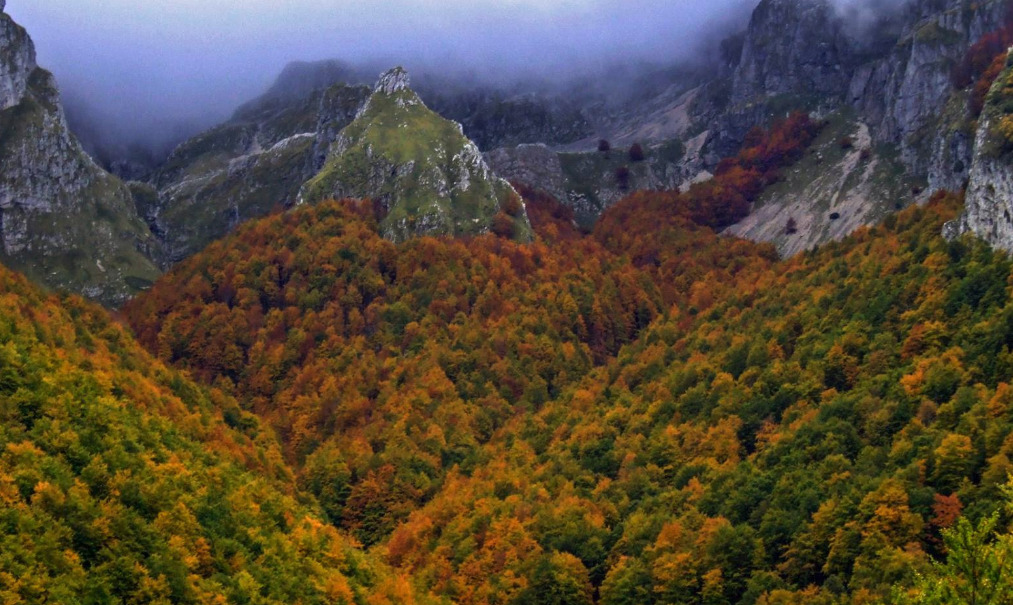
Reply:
x=143 y=69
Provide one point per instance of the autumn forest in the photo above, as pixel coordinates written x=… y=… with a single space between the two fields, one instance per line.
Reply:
x=646 y=413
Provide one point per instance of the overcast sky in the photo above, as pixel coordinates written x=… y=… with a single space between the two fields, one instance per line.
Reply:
x=146 y=60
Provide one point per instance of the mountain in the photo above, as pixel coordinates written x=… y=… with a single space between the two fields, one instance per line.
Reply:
x=424 y=174
x=988 y=210
x=683 y=415
x=63 y=220
x=248 y=167
x=894 y=88
x=743 y=351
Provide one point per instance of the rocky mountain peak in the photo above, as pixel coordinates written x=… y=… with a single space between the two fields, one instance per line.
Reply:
x=429 y=178
x=792 y=46
x=394 y=81
x=394 y=86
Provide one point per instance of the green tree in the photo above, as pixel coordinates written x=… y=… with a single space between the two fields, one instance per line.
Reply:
x=978 y=568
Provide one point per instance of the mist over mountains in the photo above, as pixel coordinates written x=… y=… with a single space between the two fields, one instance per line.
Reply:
x=599 y=304
x=152 y=73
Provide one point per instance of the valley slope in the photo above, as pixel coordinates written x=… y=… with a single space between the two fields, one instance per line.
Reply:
x=682 y=416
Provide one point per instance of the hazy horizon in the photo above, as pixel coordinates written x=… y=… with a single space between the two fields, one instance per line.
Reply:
x=147 y=65
x=150 y=72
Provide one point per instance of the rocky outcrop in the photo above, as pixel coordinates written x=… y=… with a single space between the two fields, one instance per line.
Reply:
x=63 y=220
x=247 y=167
x=17 y=62
x=792 y=47
x=988 y=204
x=908 y=97
x=419 y=167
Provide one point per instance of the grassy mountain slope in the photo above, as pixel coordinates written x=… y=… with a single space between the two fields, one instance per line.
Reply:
x=428 y=177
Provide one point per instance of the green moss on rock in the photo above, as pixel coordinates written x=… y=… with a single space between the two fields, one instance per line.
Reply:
x=429 y=178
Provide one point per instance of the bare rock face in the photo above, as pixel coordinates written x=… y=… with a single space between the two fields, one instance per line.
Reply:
x=64 y=221
x=17 y=61
x=394 y=81
x=895 y=71
x=908 y=97
x=988 y=205
x=793 y=46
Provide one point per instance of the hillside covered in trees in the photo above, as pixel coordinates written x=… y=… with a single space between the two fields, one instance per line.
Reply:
x=122 y=481
x=650 y=413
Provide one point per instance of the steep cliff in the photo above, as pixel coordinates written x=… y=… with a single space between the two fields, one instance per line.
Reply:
x=248 y=166
x=427 y=176
x=988 y=205
x=793 y=47
x=908 y=96
x=63 y=220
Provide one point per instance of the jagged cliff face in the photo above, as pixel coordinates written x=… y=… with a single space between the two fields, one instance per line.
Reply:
x=63 y=220
x=793 y=47
x=16 y=63
x=247 y=167
x=988 y=205
x=808 y=54
x=429 y=178
x=493 y=119
x=894 y=77
x=908 y=97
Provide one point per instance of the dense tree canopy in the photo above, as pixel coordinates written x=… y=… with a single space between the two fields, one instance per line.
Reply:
x=647 y=414
x=121 y=482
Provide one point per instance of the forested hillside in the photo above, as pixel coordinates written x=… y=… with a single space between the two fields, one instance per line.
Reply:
x=121 y=481
x=647 y=414
x=575 y=388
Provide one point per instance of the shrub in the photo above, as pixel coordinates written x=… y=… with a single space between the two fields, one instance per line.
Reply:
x=513 y=206
x=792 y=227
x=604 y=146
x=637 y=153
x=503 y=225
x=623 y=177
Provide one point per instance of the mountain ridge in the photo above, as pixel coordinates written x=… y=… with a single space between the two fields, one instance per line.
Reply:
x=427 y=177
x=63 y=220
